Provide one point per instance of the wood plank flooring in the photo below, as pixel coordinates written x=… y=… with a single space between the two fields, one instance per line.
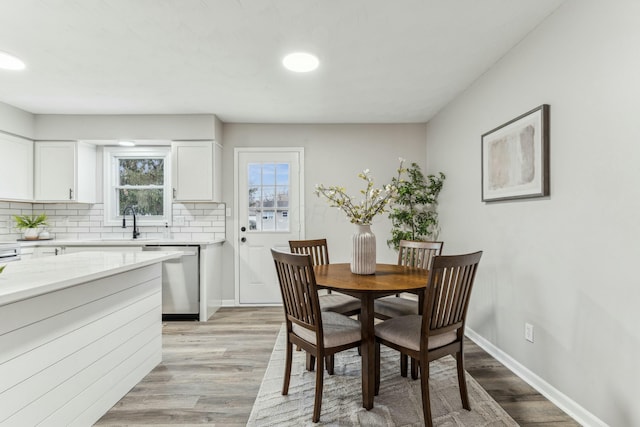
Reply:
x=211 y=373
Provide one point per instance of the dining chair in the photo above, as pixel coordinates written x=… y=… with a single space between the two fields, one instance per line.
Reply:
x=412 y=254
x=439 y=331
x=330 y=301
x=320 y=333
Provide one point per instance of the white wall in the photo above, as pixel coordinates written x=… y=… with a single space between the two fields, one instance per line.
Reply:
x=134 y=126
x=334 y=155
x=566 y=263
x=16 y=121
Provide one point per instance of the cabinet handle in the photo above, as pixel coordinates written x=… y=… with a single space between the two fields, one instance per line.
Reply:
x=174 y=193
x=70 y=194
x=56 y=251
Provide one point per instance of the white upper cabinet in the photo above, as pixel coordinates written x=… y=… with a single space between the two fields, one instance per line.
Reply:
x=16 y=168
x=196 y=171
x=65 y=171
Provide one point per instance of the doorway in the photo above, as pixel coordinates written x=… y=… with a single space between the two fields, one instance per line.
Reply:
x=269 y=211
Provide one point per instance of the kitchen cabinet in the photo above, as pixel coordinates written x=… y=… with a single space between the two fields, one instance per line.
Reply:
x=196 y=171
x=16 y=168
x=65 y=171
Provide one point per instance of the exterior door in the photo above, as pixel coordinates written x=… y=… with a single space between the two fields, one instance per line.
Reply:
x=268 y=214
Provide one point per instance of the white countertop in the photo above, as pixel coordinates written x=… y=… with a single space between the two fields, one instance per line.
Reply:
x=28 y=278
x=118 y=242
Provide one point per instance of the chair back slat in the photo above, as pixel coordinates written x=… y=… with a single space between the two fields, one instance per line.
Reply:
x=418 y=254
x=317 y=248
x=448 y=292
x=298 y=289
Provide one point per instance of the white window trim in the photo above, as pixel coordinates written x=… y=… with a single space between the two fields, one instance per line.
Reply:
x=111 y=156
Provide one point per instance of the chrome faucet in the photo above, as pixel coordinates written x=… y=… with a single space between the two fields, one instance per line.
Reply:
x=136 y=233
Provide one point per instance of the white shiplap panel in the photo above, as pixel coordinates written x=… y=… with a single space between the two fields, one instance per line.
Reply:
x=75 y=364
x=41 y=358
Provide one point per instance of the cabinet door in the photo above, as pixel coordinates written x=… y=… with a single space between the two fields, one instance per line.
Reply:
x=65 y=171
x=16 y=168
x=195 y=171
x=55 y=171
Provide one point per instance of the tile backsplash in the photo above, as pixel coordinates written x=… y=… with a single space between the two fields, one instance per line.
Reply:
x=76 y=221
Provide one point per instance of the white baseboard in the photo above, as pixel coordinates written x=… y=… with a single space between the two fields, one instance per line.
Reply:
x=562 y=401
x=232 y=303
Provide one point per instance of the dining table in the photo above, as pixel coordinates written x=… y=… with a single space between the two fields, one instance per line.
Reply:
x=388 y=279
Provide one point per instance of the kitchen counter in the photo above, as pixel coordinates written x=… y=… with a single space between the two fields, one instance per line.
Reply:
x=78 y=331
x=31 y=277
x=118 y=242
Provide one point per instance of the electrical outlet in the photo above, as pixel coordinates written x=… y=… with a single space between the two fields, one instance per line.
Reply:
x=528 y=332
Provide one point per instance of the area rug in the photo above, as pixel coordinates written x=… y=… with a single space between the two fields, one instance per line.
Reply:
x=398 y=404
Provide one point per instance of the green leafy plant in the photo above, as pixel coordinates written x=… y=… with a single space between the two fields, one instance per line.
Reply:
x=2 y=268
x=414 y=216
x=361 y=212
x=30 y=221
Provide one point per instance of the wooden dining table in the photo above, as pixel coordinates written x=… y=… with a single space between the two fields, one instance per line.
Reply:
x=388 y=279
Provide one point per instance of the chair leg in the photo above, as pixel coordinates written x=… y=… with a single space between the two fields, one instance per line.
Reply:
x=287 y=369
x=414 y=369
x=329 y=362
x=377 y=368
x=317 y=404
x=311 y=362
x=403 y=364
x=424 y=385
x=462 y=383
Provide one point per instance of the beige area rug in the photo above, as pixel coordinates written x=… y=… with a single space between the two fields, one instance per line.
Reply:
x=398 y=404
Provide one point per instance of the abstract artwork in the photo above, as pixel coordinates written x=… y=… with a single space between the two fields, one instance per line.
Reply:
x=515 y=158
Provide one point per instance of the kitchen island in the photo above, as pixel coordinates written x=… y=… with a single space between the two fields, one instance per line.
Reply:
x=78 y=331
x=210 y=261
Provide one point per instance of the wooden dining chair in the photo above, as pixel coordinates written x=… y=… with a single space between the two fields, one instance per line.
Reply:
x=320 y=333
x=329 y=301
x=412 y=254
x=439 y=331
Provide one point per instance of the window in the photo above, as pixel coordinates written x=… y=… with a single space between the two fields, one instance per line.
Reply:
x=268 y=196
x=140 y=178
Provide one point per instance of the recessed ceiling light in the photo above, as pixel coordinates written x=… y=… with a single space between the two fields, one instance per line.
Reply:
x=300 y=62
x=127 y=143
x=10 y=62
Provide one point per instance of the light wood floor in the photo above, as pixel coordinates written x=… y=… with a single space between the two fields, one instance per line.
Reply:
x=211 y=373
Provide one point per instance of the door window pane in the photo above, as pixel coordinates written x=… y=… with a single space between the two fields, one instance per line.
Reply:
x=268 y=196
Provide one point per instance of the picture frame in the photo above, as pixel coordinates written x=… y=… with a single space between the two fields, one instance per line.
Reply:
x=515 y=158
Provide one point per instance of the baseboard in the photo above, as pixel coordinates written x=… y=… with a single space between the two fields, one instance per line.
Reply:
x=562 y=401
x=232 y=303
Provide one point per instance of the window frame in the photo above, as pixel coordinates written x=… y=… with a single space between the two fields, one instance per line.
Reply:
x=112 y=155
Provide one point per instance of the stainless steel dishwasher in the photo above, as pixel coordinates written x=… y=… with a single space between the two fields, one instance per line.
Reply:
x=180 y=283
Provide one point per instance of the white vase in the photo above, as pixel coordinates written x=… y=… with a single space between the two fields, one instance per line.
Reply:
x=363 y=257
x=30 y=234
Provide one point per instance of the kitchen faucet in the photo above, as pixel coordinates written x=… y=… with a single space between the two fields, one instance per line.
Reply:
x=136 y=233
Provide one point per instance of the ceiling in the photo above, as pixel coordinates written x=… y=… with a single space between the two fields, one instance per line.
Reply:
x=381 y=61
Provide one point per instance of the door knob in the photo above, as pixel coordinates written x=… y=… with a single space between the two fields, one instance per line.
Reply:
x=243 y=229
x=244 y=239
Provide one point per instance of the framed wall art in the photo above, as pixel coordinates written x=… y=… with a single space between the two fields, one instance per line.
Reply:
x=515 y=158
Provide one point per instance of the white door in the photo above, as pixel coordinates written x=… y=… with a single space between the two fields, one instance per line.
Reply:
x=269 y=203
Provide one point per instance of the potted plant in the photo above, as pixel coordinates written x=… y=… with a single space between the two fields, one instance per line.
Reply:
x=414 y=216
x=30 y=224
